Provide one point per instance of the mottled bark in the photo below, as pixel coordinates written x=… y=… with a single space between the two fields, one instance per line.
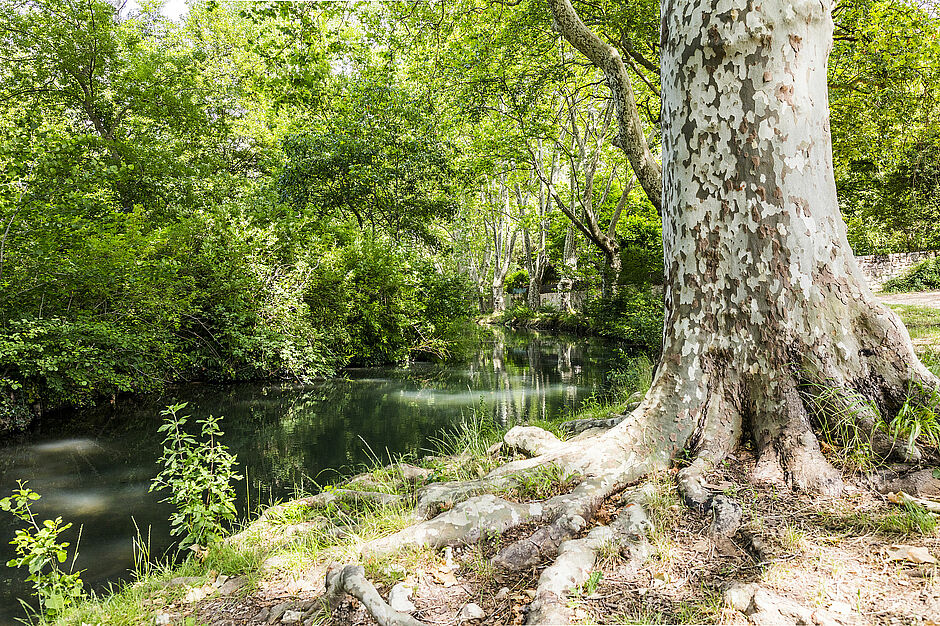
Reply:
x=763 y=294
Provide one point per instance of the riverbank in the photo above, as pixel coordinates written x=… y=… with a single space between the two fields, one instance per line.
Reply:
x=93 y=467
x=833 y=558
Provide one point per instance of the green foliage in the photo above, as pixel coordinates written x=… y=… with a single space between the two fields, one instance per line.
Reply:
x=39 y=550
x=838 y=411
x=917 y=421
x=883 y=89
x=634 y=316
x=198 y=472
x=925 y=276
x=517 y=280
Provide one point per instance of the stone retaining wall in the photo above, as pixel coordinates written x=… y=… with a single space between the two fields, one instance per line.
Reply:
x=879 y=268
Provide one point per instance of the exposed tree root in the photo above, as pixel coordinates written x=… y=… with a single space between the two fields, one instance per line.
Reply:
x=577 y=509
x=576 y=559
x=466 y=523
x=765 y=608
x=351 y=579
x=576 y=427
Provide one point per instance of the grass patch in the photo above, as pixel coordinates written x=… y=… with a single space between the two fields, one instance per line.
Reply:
x=906 y=521
x=922 y=322
x=542 y=483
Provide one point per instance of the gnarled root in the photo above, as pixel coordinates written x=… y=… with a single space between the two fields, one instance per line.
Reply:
x=578 y=508
x=576 y=559
x=466 y=523
x=576 y=427
x=351 y=579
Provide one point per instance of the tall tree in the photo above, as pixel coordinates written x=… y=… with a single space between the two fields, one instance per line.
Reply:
x=764 y=298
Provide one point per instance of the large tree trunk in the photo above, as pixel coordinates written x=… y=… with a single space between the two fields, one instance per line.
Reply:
x=764 y=299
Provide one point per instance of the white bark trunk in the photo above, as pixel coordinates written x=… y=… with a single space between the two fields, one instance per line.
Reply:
x=762 y=291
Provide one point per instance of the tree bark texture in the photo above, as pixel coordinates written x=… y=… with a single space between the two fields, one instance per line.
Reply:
x=764 y=298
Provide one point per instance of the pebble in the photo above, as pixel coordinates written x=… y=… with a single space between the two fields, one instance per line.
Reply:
x=163 y=619
x=291 y=617
x=503 y=593
x=471 y=612
x=398 y=599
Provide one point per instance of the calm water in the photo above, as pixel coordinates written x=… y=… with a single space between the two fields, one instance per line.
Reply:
x=94 y=467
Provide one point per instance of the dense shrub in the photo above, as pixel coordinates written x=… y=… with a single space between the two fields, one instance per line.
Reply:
x=924 y=276
x=633 y=316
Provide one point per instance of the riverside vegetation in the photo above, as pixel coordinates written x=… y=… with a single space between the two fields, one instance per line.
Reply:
x=277 y=190
x=278 y=561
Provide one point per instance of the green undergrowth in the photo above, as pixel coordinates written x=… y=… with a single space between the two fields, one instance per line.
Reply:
x=904 y=521
x=925 y=276
x=149 y=591
x=634 y=316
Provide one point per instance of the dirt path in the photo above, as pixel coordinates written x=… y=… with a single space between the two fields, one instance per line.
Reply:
x=921 y=298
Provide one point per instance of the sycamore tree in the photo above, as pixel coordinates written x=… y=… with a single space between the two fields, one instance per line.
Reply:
x=768 y=318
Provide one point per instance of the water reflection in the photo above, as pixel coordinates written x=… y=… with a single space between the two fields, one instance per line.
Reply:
x=94 y=467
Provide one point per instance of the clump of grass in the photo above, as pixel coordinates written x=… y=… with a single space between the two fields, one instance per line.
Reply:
x=837 y=411
x=908 y=520
x=541 y=483
x=665 y=510
x=917 y=420
x=463 y=448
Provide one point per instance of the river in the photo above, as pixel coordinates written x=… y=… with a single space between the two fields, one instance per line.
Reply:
x=93 y=467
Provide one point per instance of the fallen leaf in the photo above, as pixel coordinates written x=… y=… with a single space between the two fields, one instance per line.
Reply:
x=914 y=554
x=702 y=545
x=445 y=578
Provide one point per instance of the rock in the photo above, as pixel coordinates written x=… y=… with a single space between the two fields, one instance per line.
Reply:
x=921 y=483
x=184 y=580
x=413 y=473
x=470 y=612
x=502 y=594
x=231 y=585
x=494 y=449
x=399 y=598
x=532 y=440
x=163 y=619
x=278 y=611
x=726 y=516
x=262 y=615
x=291 y=617
x=738 y=596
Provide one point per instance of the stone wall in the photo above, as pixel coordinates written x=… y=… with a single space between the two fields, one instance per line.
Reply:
x=878 y=268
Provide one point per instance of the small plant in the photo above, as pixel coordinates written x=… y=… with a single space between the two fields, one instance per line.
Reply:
x=917 y=420
x=199 y=474
x=39 y=550
x=589 y=586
